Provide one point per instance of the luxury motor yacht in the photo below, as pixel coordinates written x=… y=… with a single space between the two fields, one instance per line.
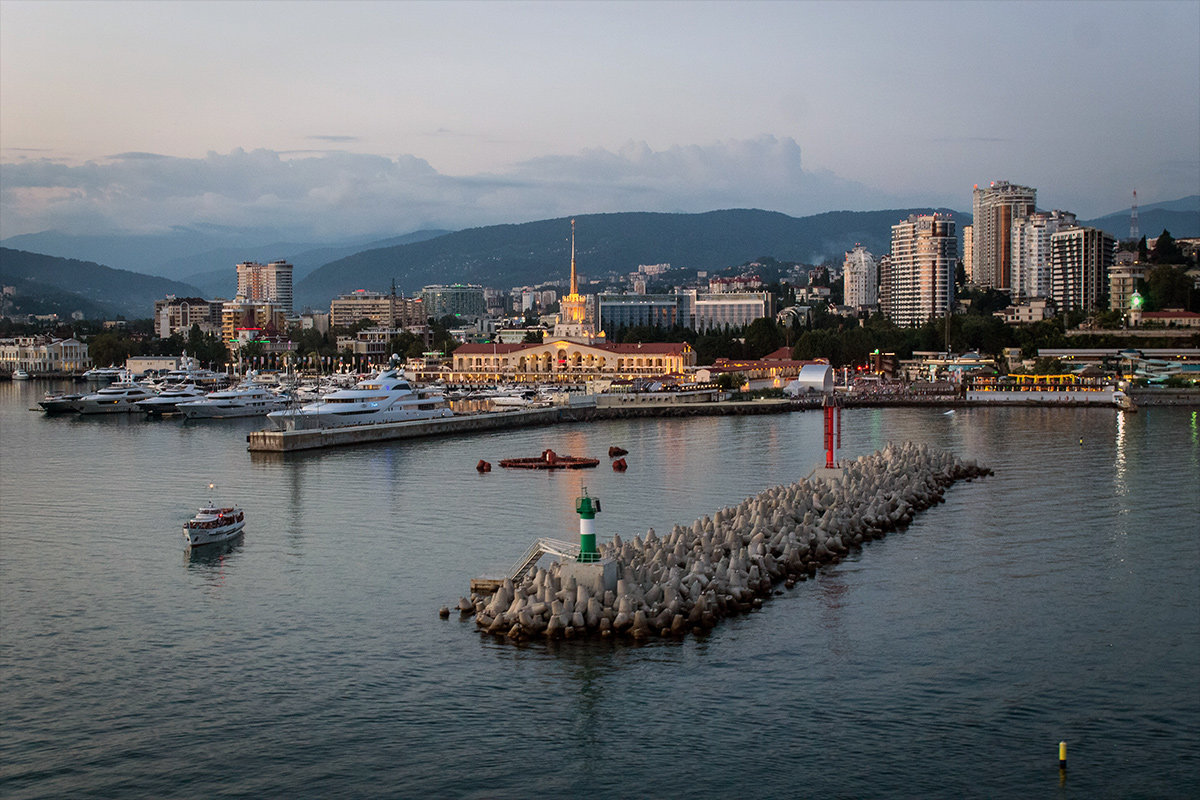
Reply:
x=168 y=399
x=59 y=403
x=248 y=399
x=104 y=374
x=116 y=398
x=386 y=397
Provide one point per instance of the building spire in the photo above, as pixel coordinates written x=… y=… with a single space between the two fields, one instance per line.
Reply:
x=574 y=285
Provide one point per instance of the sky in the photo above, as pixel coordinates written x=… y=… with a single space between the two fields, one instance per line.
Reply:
x=333 y=120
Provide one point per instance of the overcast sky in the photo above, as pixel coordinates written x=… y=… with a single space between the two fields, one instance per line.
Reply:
x=348 y=118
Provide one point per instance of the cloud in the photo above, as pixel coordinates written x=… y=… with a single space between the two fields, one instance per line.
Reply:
x=335 y=194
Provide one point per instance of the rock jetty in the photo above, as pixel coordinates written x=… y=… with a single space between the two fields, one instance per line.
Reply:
x=730 y=562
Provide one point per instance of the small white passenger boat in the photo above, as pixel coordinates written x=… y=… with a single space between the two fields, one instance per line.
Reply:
x=213 y=524
x=19 y=374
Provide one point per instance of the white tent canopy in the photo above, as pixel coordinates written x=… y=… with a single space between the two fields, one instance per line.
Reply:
x=812 y=378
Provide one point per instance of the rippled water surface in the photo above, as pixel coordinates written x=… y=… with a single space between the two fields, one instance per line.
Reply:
x=1057 y=600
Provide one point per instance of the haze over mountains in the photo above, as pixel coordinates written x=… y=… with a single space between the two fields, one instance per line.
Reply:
x=202 y=260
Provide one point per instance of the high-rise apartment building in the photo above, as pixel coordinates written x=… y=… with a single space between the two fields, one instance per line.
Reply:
x=861 y=278
x=997 y=208
x=266 y=283
x=1080 y=260
x=1031 y=252
x=921 y=270
x=457 y=300
x=968 y=253
x=885 y=285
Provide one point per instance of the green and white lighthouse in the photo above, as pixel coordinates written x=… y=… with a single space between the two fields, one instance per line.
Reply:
x=587 y=508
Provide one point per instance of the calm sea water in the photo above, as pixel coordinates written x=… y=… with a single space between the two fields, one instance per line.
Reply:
x=1057 y=600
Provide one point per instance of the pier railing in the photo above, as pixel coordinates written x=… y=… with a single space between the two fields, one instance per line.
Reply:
x=539 y=548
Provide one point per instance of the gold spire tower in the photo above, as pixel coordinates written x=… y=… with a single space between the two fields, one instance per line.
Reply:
x=574 y=282
x=572 y=316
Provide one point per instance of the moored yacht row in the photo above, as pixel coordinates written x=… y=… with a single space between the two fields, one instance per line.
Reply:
x=387 y=396
x=193 y=400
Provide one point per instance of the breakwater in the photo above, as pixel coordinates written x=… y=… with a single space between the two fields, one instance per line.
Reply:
x=728 y=563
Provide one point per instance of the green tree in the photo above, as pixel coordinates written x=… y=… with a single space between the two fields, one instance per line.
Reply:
x=1168 y=287
x=1166 y=250
x=1143 y=252
x=763 y=336
x=1048 y=366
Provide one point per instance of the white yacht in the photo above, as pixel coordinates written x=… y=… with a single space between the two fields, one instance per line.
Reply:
x=59 y=403
x=168 y=399
x=386 y=397
x=116 y=398
x=104 y=374
x=190 y=371
x=19 y=374
x=248 y=399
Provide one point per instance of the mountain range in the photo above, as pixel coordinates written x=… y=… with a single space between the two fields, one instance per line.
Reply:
x=99 y=291
x=499 y=255
x=606 y=244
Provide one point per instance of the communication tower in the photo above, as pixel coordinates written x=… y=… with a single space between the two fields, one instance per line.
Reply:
x=1134 y=233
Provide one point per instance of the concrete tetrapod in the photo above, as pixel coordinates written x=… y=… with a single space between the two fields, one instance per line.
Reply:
x=728 y=563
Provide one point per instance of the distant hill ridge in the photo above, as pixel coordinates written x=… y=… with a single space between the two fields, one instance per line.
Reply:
x=534 y=252
x=102 y=290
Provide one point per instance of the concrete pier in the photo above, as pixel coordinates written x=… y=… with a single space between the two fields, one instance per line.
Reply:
x=269 y=441
x=273 y=441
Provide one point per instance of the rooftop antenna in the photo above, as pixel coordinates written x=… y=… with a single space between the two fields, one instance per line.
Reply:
x=1134 y=233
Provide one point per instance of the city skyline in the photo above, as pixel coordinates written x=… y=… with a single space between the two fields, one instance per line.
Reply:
x=387 y=118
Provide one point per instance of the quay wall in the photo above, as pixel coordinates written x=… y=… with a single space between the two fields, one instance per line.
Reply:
x=1146 y=396
x=273 y=441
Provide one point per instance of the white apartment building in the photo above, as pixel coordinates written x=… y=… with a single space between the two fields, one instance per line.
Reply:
x=1030 y=249
x=389 y=310
x=921 y=269
x=1080 y=260
x=178 y=315
x=266 y=283
x=861 y=278
x=996 y=210
x=734 y=309
x=1122 y=283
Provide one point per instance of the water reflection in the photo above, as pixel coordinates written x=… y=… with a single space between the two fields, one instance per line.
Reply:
x=1120 y=485
x=832 y=597
x=211 y=559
